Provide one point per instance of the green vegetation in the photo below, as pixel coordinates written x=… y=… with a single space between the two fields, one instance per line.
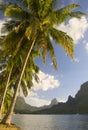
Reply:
x=7 y=127
x=29 y=31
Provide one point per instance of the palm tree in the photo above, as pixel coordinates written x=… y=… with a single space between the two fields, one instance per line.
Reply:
x=15 y=60
x=4 y=94
x=13 y=71
x=7 y=100
x=37 y=20
x=26 y=82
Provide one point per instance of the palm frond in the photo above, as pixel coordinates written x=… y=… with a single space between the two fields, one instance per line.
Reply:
x=11 y=41
x=50 y=49
x=45 y=8
x=77 y=14
x=32 y=5
x=28 y=32
x=64 y=41
x=63 y=13
x=3 y=6
x=36 y=77
x=10 y=25
x=15 y=11
x=24 y=88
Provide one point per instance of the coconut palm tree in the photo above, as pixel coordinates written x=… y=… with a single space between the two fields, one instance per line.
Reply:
x=7 y=100
x=4 y=94
x=26 y=82
x=36 y=21
x=12 y=67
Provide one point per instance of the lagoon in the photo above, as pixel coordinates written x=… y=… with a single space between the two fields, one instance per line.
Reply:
x=51 y=122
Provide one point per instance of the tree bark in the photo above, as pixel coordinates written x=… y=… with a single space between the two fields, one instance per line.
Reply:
x=8 y=116
x=4 y=94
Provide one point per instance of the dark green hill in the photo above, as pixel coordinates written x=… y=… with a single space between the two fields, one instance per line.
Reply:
x=78 y=104
x=22 y=107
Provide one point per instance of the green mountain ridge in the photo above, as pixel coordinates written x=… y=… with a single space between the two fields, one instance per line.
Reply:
x=22 y=107
x=78 y=104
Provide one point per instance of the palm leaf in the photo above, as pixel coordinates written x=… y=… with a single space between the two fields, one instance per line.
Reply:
x=24 y=88
x=10 y=25
x=50 y=49
x=28 y=32
x=77 y=14
x=15 y=11
x=64 y=41
x=3 y=6
x=63 y=13
x=45 y=8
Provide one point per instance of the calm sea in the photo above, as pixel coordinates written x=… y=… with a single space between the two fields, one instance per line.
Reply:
x=51 y=122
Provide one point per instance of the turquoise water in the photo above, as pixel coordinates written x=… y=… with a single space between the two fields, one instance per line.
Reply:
x=51 y=122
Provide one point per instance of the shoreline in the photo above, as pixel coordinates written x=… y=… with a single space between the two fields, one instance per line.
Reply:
x=9 y=127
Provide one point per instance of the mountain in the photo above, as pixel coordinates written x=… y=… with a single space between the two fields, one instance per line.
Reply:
x=81 y=99
x=22 y=107
x=78 y=104
x=54 y=102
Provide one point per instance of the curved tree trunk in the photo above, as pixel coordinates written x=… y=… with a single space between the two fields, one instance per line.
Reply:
x=4 y=94
x=7 y=118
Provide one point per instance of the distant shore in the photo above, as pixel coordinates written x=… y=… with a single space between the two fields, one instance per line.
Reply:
x=9 y=127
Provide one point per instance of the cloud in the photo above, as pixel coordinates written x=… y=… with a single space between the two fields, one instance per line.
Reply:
x=35 y=101
x=86 y=47
x=75 y=28
x=46 y=82
x=76 y=60
x=32 y=94
x=51 y=64
x=84 y=41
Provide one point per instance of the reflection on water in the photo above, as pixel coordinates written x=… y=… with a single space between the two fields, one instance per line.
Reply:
x=51 y=122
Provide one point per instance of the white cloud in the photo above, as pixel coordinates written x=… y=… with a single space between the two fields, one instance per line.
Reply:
x=46 y=82
x=51 y=64
x=86 y=47
x=76 y=28
x=84 y=41
x=35 y=101
x=32 y=94
x=76 y=60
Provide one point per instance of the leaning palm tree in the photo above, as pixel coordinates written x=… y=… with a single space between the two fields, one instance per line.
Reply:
x=7 y=100
x=4 y=92
x=37 y=20
x=7 y=82
x=12 y=67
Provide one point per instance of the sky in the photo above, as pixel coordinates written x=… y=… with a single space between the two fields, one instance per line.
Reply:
x=70 y=74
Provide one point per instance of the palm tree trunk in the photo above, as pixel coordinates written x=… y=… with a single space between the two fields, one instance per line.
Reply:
x=4 y=94
x=7 y=118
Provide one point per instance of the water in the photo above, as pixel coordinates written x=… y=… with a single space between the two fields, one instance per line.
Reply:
x=51 y=122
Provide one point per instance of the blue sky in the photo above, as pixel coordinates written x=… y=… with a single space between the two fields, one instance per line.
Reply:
x=70 y=74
